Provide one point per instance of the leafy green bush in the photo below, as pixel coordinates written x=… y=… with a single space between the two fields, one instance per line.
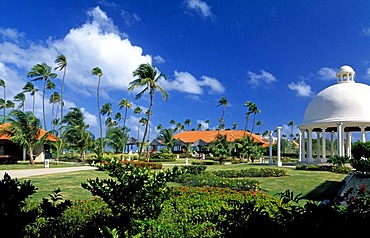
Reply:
x=252 y=172
x=319 y=167
x=361 y=156
x=162 y=157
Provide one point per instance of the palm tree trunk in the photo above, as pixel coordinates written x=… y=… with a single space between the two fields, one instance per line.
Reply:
x=32 y=161
x=43 y=105
x=146 y=128
x=61 y=99
x=100 y=122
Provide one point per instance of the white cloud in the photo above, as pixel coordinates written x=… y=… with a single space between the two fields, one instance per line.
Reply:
x=301 y=88
x=90 y=118
x=186 y=82
x=158 y=59
x=366 y=31
x=327 y=73
x=201 y=7
x=11 y=35
x=257 y=79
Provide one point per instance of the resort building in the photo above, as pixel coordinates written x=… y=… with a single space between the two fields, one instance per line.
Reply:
x=333 y=115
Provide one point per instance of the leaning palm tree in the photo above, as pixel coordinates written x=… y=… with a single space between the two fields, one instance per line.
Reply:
x=42 y=72
x=147 y=76
x=30 y=88
x=124 y=103
x=24 y=130
x=61 y=62
x=98 y=72
x=222 y=102
x=54 y=98
x=50 y=85
x=106 y=109
x=21 y=98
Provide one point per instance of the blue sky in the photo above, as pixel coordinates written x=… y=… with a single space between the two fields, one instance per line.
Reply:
x=277 y=54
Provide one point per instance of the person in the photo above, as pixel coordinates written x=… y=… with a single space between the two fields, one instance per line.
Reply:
x=203 y=157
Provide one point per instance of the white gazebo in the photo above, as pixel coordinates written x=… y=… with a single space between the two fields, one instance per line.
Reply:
x=335 y=113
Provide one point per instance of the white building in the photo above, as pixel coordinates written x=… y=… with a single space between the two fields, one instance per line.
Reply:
x=335 y=113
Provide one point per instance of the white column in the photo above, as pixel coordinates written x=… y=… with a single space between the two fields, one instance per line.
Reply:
x=348 y=144
x=300 y=148
x=318 y=158
x=323 y=139
x=278 y=146
x=271 y=161
x=339 y=138
x=304 y=155
x=309 y=138
x=331 y=143
x=363 y=134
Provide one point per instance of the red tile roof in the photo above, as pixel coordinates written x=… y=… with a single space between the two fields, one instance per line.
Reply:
x=208 y=136
x=3 y=136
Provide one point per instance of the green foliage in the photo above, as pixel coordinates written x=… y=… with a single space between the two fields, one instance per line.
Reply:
x=132 y=193
x=338 y=160
x=252 y=172
x=221 y=148
x=55 y=207
x=162 y=157
x=13 y=217
x=318 y=167
x=361 y=156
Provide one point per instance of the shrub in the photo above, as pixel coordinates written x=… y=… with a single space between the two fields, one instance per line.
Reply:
x=361 y=156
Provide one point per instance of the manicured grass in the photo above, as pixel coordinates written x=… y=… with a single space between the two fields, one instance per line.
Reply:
x=313 y=185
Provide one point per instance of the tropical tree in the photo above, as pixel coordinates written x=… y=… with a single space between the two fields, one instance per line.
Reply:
x=235 y=125
x=50 y=85
x=24 y=130
x=116 y=139
x=291 y=124
x=21 y=98
x=3 y=84
x=222 y=102
x=159 y=127
x=98 y=72
x=106 y=109
x=259 y=124
x=220 y=148
x=147 y=76
x=54 y=98
x=61 y=62
x=187 y=122
x=42 y=72
x=252 y=109
x=166 y=137
x=75 y=131
x=199 y=126
x=138 y=110
x=207 y=121
x=30 y=88
x=124 y=103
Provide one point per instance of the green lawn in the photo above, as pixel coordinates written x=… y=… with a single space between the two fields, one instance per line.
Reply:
x=313 y=185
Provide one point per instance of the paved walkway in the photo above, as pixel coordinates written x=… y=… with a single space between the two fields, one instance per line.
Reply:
x=24 y=173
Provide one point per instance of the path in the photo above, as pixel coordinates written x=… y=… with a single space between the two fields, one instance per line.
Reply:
x=24 y=173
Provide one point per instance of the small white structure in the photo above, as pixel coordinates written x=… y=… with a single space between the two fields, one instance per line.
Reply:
x=337 y=112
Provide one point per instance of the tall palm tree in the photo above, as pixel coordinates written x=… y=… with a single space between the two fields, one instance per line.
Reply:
x=124 y=103
x=222 y=102
x=260 y=124
x=106 y=109
x=3 y=106
x=42 y=72
x=207 y=121
x=24 y=130
x=50 y=85
x=3 y=84
x=98 y=72
x=235 y=125
x=54 y=98
x=252 y=109
x=147 y=76
x=61 y=62
x=138 y=110
x=291 y=124
x=21 y=98
x=247 y=117
x=30 y=88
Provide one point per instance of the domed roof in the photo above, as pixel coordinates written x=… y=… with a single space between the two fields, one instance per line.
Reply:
x=345 y=69
x=342 y=102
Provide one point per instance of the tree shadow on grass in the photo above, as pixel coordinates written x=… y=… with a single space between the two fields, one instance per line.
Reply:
x=327 y=190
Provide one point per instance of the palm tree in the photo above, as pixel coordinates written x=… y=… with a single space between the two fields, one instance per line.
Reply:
x=259 y=123
x=222 y=102
x=235 y=125
x=21 y=98
x=61 y=62
x=24 y=130
x=291 y=124
x=159 y=127
x=147 y=76
x=50 y=85
x=106 y=109
x=187 y=122
x=54 y=98
x=207 y=121
x=2 y=84
x=30 y=88
x=76 y=133
x=166 y=137
x=138 y=110
x=98 y=72
x=124 y=103
x=247 y=117
x=252 y=109
x=199 y=126
x=116 y=139
x=42 y=72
